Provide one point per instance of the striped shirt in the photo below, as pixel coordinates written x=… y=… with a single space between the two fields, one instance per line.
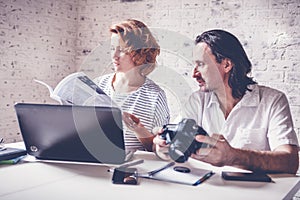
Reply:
x=148 y=103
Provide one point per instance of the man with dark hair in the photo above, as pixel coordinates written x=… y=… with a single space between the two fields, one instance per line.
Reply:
x=250 y=126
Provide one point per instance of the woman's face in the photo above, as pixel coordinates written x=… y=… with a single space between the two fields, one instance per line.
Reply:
x=121 y=60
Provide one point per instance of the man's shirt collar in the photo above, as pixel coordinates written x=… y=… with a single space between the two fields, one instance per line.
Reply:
x=250 y=99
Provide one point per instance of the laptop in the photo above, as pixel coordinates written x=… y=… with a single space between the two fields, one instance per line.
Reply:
x=72 y=133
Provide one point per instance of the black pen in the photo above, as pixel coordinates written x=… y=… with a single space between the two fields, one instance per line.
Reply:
x=204 y=178
x=2 y=147
x=153 y=172
x=129 y=164
x=161 y=169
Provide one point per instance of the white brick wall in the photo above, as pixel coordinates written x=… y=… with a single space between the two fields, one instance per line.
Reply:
x=37 y=41
x=50 y=39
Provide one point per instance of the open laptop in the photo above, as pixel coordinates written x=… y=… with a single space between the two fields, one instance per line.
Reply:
x=72 y=133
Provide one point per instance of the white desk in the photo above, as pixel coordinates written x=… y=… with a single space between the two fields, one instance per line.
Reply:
x=38 y=180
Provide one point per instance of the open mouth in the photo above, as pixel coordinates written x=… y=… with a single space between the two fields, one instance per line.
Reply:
x=200 y=81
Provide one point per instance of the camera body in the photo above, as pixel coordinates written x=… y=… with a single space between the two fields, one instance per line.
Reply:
x=181 y=138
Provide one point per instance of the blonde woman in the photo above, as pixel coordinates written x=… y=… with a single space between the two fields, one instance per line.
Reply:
x=144 y=104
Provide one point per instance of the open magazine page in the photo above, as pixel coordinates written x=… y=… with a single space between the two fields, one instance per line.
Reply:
x=73 y=93
x=83 y=94
x=52 y=95
x=100 y=100
x=78 y=89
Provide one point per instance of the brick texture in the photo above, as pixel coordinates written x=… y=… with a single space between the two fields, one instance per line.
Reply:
x=50 y=39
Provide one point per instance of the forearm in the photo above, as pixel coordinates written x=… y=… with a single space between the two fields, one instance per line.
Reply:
x=266 y=161
x=145 y=137
x=147 y=143
x=142 y=134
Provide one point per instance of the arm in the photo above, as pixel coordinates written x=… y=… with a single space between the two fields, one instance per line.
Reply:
x=161 y=117
x=283 y=159
x=143 y=135
x=160 y=147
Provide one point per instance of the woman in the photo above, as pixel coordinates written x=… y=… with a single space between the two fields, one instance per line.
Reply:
x=144 y=104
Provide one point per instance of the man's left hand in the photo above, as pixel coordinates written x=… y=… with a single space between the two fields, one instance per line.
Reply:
x=219 y=154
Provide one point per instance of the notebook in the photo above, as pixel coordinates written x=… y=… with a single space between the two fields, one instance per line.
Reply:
x=9 y=153
x=72 y=133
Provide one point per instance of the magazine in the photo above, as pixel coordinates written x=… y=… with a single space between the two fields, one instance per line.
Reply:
x=78 y=89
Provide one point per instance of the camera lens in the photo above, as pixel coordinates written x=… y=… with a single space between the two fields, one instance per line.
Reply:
x=178 y=155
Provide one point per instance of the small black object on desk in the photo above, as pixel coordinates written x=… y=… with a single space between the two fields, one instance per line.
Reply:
x=182 y=169
x=8 y=153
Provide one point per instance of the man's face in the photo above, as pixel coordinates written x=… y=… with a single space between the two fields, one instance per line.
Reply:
x=207 y=72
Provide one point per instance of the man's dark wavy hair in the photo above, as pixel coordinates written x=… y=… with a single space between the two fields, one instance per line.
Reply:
x=225 y=45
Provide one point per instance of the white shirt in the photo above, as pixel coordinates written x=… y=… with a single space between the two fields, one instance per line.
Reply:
x=261 y=120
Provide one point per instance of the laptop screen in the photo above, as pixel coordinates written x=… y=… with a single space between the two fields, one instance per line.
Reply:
x=72 y=133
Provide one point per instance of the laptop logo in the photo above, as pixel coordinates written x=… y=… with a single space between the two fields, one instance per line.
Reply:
x=33 y=148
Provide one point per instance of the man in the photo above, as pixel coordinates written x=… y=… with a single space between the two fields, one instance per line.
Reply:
x=250 y=126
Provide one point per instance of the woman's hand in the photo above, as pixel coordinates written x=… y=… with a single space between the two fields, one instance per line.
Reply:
x=144 y=136
x=131 y=121
x=160 y=147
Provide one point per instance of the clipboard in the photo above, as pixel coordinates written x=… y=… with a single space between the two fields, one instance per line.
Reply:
x=193 y=177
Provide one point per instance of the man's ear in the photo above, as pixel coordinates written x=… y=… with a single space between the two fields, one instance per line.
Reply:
x=227 y=65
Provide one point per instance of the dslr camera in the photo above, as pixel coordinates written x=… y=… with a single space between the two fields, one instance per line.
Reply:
x=181 y=138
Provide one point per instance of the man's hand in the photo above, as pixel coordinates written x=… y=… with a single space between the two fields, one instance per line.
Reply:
x=283 y=159
x=219 y=154
x=161 y=148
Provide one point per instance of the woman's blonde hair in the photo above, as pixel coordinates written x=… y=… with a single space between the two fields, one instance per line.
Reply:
x=139 y=43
